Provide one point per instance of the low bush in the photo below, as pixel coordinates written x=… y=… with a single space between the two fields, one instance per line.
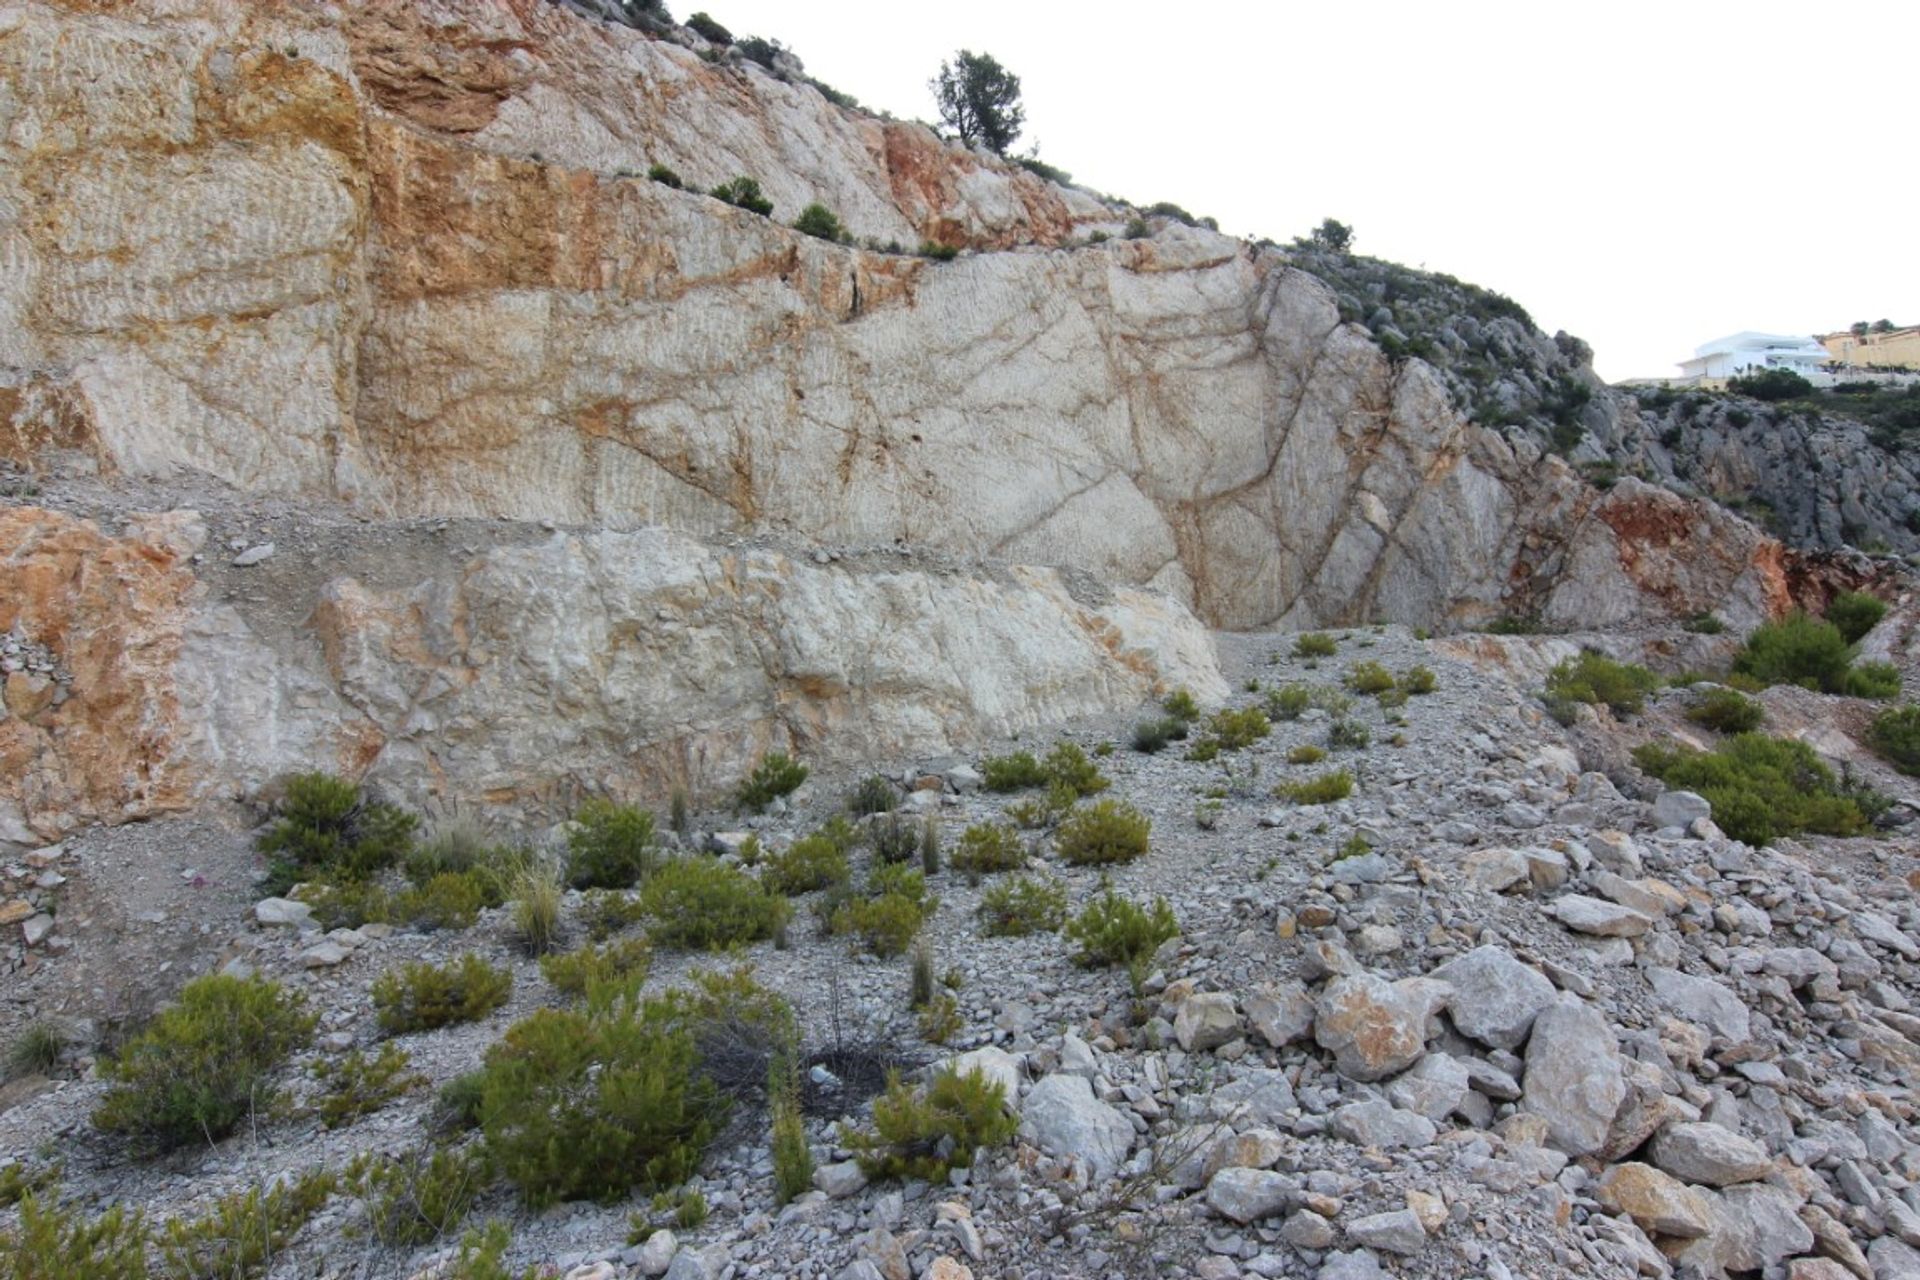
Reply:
x=740 y=1028
x=925 y=1133
x=1111 y=930
x=1046 y=810
x=1854 y=613
x=589 y=1108
x=700 y=903
x=327 y=827
x=1067 y=766
x=1895 y=736
x=1015 y=772
x=709 y=30
x=1726 y=711
x=244 y=1232
x=339 y=903
x=664 y=176
x=609 y=846
x=776 y=775
x=1288 y=702
x=1704 y=624
x=987 y=847
x=1152 y=735
x=620 y=966
x=1369 y=678
x=423 y=996
x=355 y=1085
x=1180 y=705
x=1877 y=680
x=874 y=794
x=1348 y=735
x=204 y=1064
x=1315 y=644
x=1104 y=832
x=744 y=193
x=820 y=222
x=1324 y=789
x=810 y=863
x=1761 y=788
x=792 y=1157
x=893 y=837
x=17 y=1182
x=421 y=1196
x=456 y=1107
x=461 y=848
x=1021 y=905
x=939 y=252
x=1418 y=681
x=606 y=912
x=1238 y=730
x=481 y=1255
x=1306 y=753
x=1799 y=650
x=1595 y=679
x=889 y=915
x=54 y=1242
x=450 y=900
x=940 y=1019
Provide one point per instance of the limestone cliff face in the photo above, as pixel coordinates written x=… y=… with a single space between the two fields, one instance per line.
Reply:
x=526 y=673
x=391 y=252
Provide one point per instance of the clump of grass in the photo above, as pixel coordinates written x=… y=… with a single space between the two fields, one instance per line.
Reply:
x=1151 y=736
x=1726 y=711
x=1315 y=644
x=1022 y=905
x=1104 y=832
x=536 y=907
x=1306 y=753
x=777 y=774
x=1348 y=735
x=1704 y=624
x=422 y=996
x=1762 y=788
x=874 y=794
x=925 y=1133
x=36 y=1050
x=1323 y=789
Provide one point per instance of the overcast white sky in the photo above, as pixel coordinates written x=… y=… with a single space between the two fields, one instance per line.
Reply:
x=1648 y=176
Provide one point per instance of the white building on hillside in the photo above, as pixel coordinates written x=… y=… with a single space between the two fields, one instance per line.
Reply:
x=1746 y=352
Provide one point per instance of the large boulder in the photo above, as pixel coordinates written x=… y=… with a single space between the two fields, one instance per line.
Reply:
x=1659 y=1204
x=1710 y=1154
x=1575 y=1079
x=1495 y=997
x=1373 y=1028
x=1061 y=1116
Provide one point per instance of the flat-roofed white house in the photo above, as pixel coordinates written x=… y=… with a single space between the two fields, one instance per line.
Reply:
x=1746 y=352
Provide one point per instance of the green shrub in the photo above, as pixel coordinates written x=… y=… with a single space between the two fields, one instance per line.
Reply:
x=874 y=795
x=327 y=827
x=1237 y=730
x=810 y=863
x=346 y=904
x=744 y=193
x=987 y=847
x=1015 y=772
x=925 y=1133
x=422 y=996
x=1854 y=613
x=480 y=1257
x=536 y=907
x=1324 y=789
x=1808 y=652
x=893 y=837
x=17 y=1182
x=456 y=1107
x=1878 y=680
x=930 y=845
x=421 y=1196
x=461 y=848
x=776 y=775
x=1368 y=678
x=792 y=1157
x=1043 y=811
x=1760 y=788
x=450 y=900
x=1103 y=832
x=664 y=176
x=709 y=30
x=702 y=904
x=1726 y=711
x=1895 y=735
x=1306 y=753
x=1315 y=644
x=1180 y=705
x=740 y=1028
x=820 y=222
x=1704 y=624
x=1771 y=384
x=56 y=1243
x=606 y=912
x=940 y=1019
x=1348 y=735
x=1153 y=735
x=939 y=252
x=1110 y=930
x=580 y=1108
x=36 y=1050
x=243 y=1234
x=1596 y=679
x=1067 y=766
x=609 y=846
x=1020 y=905
x=1288 y=702
x=889 y=915
x=204 y=1064
x=620 y=966
x=1418 y=680
x=356 y=1085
